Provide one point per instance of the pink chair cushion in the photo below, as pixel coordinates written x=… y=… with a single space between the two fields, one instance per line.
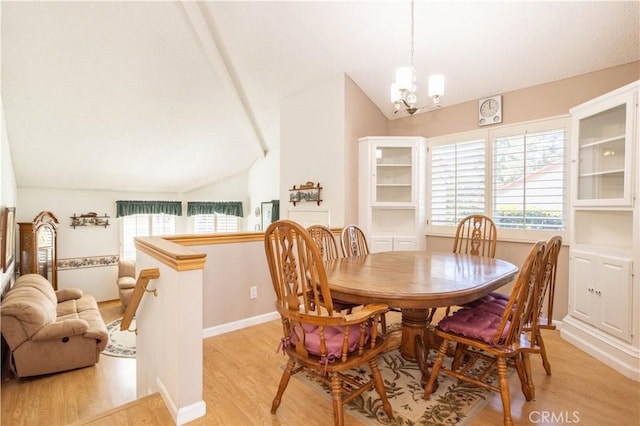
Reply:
x=334 y=338
x=493 y=302
x=474 y=323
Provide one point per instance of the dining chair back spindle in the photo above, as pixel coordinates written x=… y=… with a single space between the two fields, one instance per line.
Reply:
x=496 y=338
x=316 y=337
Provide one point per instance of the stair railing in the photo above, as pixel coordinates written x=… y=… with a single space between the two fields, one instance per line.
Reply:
x=144 y=277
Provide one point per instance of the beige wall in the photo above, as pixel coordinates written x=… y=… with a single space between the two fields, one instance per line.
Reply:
x=362 y=118
x=8 y=189
x=312 y=149
x=319 y=142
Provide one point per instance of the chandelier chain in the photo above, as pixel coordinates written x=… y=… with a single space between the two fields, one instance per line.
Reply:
x=412 y=38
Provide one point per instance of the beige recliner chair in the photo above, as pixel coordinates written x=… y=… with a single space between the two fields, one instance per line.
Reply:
x=49 y=331
x=126 y=281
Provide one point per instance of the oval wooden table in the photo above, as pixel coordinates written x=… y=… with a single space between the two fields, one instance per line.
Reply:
x=415 y=282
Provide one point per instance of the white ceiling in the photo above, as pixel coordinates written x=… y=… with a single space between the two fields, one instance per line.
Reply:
x=169 y=96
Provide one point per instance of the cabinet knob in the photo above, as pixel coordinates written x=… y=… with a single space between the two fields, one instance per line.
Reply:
x=598 y=292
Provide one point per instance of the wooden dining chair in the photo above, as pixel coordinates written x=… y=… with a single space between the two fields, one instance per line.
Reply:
x=324 y=239
x=326 y=242
x=546 y=288
x=554 y=244
x=353 y=241
x=316 y=337
x=495 y=339
x=496 y=302
x=476 y=234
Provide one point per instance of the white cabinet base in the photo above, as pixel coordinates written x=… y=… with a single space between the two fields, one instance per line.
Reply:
x=378 y=243
x=622 y=357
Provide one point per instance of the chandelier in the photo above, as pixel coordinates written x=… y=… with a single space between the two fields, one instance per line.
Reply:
x=403 y=90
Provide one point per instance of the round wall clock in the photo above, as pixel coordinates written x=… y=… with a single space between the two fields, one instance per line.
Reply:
x=490 y=110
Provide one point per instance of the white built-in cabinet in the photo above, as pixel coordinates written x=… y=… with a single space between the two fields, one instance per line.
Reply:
x=604 y=303
x=391 y=192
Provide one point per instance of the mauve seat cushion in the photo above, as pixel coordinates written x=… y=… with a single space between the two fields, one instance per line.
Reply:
x=474 y=323
x=493 y=302
x=491 y=297
x=334 y=338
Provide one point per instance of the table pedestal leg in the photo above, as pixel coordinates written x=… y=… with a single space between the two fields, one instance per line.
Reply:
x=414 y=324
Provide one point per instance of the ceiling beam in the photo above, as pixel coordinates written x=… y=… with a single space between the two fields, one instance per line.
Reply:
x=213 y=50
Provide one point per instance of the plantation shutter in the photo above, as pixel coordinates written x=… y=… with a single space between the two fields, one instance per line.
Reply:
x=529 y=180
x=457 y=181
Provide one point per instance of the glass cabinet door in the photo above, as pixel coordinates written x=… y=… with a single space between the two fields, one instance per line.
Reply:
x=394 y=173
x=603 y=152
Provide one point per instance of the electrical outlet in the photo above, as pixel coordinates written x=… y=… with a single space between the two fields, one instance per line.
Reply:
x=253 y=292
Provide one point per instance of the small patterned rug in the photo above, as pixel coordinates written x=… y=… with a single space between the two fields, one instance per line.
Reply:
x=121 y=343
x=453 y=403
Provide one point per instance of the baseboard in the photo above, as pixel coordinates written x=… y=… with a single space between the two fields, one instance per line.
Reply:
x=181 y=415
x=618 y=355
x=237 y=325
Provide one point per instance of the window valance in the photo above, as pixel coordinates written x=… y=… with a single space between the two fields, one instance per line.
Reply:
x=128 y=208
x=229 y=208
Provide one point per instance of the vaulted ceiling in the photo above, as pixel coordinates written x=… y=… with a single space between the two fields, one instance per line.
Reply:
x=171 y=96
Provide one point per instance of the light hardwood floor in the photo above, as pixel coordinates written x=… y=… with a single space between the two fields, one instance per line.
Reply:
x=242 y=370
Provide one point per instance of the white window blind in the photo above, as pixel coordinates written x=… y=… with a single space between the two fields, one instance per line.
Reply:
x=457 y=181
x=143 y=225
x=529 y=182
x=211 y=223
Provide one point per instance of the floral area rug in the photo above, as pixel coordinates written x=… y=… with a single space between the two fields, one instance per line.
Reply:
x=453 y=403
x=121 y=343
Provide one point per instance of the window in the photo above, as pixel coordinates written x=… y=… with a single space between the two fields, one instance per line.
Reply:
x=143 y=225
x=210 y=223
x=515 y=174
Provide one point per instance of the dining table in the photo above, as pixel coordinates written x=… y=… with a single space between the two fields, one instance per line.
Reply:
x=416 y=282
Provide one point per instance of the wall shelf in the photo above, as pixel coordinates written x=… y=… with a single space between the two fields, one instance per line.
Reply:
x=306 y=192
x=89 y=219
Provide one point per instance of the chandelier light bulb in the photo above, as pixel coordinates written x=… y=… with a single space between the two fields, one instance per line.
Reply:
x=404 y=78
x=396 y=94
x=436 y=85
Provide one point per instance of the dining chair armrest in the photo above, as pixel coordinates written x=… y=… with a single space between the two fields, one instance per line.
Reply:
x=367 y=311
